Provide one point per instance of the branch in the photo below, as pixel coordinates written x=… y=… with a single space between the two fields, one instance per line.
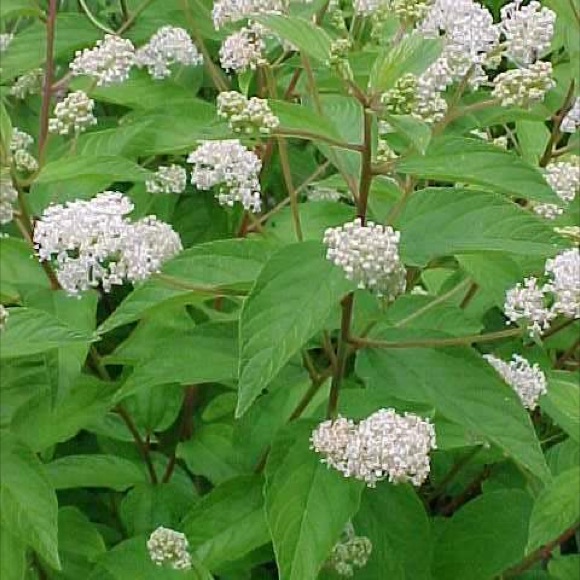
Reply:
x=312 y=136
x=93 y=19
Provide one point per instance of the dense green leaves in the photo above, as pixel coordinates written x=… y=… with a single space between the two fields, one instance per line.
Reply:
x=307 y=505
x=296 y=292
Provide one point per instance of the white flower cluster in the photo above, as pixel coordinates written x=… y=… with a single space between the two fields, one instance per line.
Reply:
x=350 y=552
x=527 y=30
x=246 y=115
x=168 y=547
x=27 y=84
x=108 y=62
x=8 y=195
x=319 y=193
x=243 y=50
x=225 y=11
x=528 y=381
x=369 y=255
x=411 y=11
x=4 y=314
x=73 y=114
x=167 y=179
x=21 y=157
x=92 y=242
x=524 y=87
x=5 y=39
x=564 y=178
x=538 y=304
x=168 y=46
x=385 y=445
x=571 y=121
x=230 y=168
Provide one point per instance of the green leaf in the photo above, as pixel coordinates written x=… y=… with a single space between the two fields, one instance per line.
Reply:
x=412 y=55
x=30 y=331
x=12 y=556
x=462 y=386
x=414 y=131
x=307 y=504
x=109 y=471
x=460 y=221
x=562 y=402
x=211 y=357
x=19 y=266
x=556 y=509
x=532 y=138
x=5 y=131
x=309 y=38
x=16 y=8
x=484 y=537
x=28 y=505
x=221 y=264
x=291 y=300
x=565 y=567
x=211 y=453
x=228 y=523
x=394 y=519
x=478 y=163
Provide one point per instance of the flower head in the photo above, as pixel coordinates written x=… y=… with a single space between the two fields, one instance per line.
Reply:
x=4 y=313
x=73 y=114
x=168 y=46
x=246 y=115
x=108 y=62
x=385 y=445
x=8 y=195
x=524 y=87
x=527 y=302
x=350 y=552
x=22 y=159
x=5 y=39
x=563 y=274
x=225 y=11
x=27 y=84
x=369 y=255
x=168 y=179
x=528 y=381
x=571 y=121
x=243 y=50
x=231 y=169
x=166 y=546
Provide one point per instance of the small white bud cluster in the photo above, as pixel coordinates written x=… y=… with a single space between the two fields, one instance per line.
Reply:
x=369 y=255
x=168 y=46
x=168 y=547
x=168 y=179
x=527 y=30
x=570 y=232
x=230 y=168
x=243 y=50
x=92 y=243
x=349 y=553
x=108 y=62
x=73 y=114
x=411 y=11
x=369 y=7
x=21 y=157
x=539 y=304
x=571 y=121
x=400 y=99
x=246 y=115
x=385 y=445
x=319 y=193
x=27 y=84
x=5 y=39
x=564 y=178
x=8 y=195
x=524 y=87
x=4 y=314
x=528 y=381
x=225 y=11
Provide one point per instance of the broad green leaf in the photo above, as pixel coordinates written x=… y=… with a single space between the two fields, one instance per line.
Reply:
x=412 y=55
x=291 y=300
x=483 y=538
x=211 y=453
x=478 y=163
x=305 y=35
x=563 y=456
x=307 y=504
x=462 y=386
x=211 y=357
x=228 y=523
x=213 y=265
x=79 y=543
x=41 y=423
x=16 y=8
x=556 y=509
x=394 y=519
x=130 y=560
x=460 y=221
x=19 y=267
x=31 y=331
x=12 y=556
x=122 y=141
x=147 y=506
x=27 y=500
x=562 y=402
x=5 y=131
x=109 y=471
x=564 y=567
x=413 y=131
x=532 y=138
